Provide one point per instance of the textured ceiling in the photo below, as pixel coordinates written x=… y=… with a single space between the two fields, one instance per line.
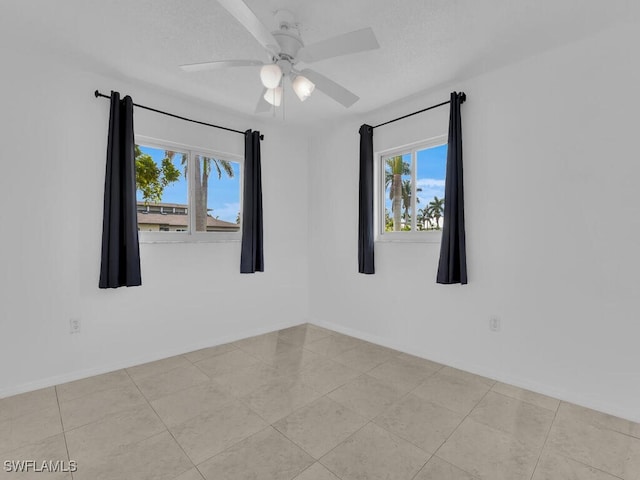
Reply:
x=424 y=43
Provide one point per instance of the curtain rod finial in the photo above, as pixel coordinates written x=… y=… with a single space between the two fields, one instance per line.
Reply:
x=261 y=137
x=463 y=97
x=96 y=93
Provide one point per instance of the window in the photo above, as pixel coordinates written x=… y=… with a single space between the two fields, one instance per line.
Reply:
x=411 y=191
x=186 y=194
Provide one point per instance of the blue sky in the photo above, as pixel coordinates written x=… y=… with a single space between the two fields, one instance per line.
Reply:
x=223 y=195
x=430 y=174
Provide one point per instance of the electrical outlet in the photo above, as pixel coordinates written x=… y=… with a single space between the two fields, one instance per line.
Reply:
x=494 y=324
x=74 y=325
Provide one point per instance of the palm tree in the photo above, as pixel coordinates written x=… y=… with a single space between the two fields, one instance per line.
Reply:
x=393 y=178
x=423 y=217
x=202 y=172
x=436 y=210
x=406 y=199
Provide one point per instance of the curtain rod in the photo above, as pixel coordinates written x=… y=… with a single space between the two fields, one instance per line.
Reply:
x=98 y=94
x=462 y=95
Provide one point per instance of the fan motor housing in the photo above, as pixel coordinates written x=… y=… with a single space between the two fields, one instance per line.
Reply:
x=290 y=43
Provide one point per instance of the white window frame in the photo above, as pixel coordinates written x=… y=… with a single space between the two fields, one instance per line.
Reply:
x=192 y=236
x=415 y=236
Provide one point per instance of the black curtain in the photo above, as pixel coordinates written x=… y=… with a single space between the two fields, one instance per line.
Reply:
x=251 y=258
x=365 y=210
x=452 y=267
x=120 y=263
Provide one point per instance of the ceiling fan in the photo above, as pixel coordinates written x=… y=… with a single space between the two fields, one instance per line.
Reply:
x=285 y=49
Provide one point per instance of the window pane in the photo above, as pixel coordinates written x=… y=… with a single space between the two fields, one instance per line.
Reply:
x=397 y=193
x=217 y=195
x=161 y=190
x=430 y=175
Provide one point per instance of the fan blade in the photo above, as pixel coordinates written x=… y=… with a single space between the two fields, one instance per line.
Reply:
x=331 y=88
x=204 y=66
x=353 y=42
x=263 y=105
x=248 y=20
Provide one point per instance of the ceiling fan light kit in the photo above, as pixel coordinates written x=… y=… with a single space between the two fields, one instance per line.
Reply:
x=285 y=49
x=303 y=87
x=274 y=96
x=271 y=75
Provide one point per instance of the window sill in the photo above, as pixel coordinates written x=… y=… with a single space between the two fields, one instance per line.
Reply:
x=168 y=237
x=410 y=237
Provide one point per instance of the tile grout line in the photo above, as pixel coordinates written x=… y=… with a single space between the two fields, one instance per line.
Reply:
x=300 y=473
x=546 y=438
x=64 y=433
x=161 y=421
x=410 y=392
x=209 y=357
x=456 y=429
x=371 y=421
x=304 y=406
x=325 y=466
x=528 y=402
x=240 y=400
x=573 y=459
x=244 y=439
x=591 y=467
x=126 y=369
x=98 y=419
x=237 y=398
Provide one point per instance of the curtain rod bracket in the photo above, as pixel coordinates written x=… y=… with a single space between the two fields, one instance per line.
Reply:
x=461 y=95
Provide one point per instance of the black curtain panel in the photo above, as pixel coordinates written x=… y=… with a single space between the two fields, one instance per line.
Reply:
x=365 y=211
x=251 y=257
x=120 y=263
x=452 y=267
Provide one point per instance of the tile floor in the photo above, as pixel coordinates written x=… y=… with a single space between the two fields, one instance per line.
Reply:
x=306 y=403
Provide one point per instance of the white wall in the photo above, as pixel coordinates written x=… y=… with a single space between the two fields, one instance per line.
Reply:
x=553 y=221
x=53 y=143
x=552 y=226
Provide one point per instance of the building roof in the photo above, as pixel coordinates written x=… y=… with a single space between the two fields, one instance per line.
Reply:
x=165 y=205
x=181 y=220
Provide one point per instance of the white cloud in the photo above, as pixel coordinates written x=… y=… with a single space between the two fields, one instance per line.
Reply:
x=424 y=200
x=228 y=212
x=430 y=182
x=431 y=187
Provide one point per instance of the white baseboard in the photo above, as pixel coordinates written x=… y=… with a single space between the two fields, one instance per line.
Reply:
x=550 y=391
x=158 y=355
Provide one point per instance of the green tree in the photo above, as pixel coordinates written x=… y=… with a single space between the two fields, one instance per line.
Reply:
x=152 y=179
x=395 y=168
x=388 y=221
x=436 y=210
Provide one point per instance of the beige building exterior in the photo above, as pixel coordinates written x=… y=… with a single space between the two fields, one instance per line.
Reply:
x=174 y=217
